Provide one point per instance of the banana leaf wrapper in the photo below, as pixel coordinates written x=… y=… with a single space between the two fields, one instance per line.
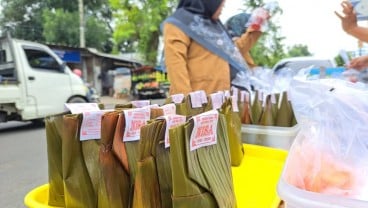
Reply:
x=233 y=126
x=78 y=186
x=210 y=166
x=274 y=106
x=267 y=118
x=127 y=154
x=114 y=185
x=186 y=192
x=123 y=106
x=285 y=112
x=256 y=108
x=146 y=187
x=162 y=157
x=54 y=129
x=156 y=112
x=246 y=116
x=185 y=108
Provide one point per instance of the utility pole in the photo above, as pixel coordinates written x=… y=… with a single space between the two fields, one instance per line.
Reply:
x=82 y=43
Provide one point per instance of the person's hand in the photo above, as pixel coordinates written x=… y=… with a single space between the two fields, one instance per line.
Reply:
x=348 y=18
x=258 y=20
x=358 y=63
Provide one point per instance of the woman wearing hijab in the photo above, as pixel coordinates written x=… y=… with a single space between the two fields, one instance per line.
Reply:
x=200 y=54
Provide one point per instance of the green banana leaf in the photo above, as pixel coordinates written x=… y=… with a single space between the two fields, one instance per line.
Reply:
x=78 y=186
x=256 y=108
x=186 y=192
x=54 y=129
x=267 y=118
x=285 y=112
x=233 y=126
x=210 y=166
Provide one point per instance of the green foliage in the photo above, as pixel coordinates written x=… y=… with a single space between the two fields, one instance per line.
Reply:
x=59 y=27
x=339 y=61
x=140 y=31
x=298 y=50
x=57 y=21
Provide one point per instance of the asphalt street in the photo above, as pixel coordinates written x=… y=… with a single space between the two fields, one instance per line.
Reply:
x=23 y=161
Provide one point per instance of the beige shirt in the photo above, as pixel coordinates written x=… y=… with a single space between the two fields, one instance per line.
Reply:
x=192 y=67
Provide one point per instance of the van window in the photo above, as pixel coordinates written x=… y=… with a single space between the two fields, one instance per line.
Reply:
x=41 y=60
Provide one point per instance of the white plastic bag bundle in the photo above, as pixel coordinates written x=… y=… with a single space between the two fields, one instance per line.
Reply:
x=330 y=152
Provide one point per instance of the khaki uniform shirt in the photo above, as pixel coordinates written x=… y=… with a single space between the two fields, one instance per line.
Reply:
x=192 y=67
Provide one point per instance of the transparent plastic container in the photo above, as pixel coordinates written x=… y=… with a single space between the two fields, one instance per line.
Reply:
x=271 y=136
x=294 y=197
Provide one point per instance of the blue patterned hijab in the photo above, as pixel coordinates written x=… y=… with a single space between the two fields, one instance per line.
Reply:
x=193 y=17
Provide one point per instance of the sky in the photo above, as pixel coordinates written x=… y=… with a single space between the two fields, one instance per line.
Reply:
x=308 y=22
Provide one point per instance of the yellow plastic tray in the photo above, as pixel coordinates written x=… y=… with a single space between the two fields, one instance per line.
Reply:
x=255 y=180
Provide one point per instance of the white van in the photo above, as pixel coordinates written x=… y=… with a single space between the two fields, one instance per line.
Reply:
x=34 y=81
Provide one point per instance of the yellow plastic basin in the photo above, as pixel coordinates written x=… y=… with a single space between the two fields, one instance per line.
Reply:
x=255 y=180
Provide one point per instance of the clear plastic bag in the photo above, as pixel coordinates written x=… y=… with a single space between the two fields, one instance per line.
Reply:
x=329 y=154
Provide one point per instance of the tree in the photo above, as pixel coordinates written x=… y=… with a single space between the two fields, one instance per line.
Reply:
x=140 y=31
x=298 y=50
x=55 y=21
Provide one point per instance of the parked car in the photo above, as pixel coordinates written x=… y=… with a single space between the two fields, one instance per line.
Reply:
x=295 y=64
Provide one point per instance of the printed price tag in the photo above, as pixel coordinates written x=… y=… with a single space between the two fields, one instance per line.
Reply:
x=177 y=98
x=140 y=103
x=217 y=100
x=169 y=109
x=134 y=120
x=234 y=103
x=76 y=108
x=205 y=130
x=91 y=125
x=195 y=99
x=171 y=122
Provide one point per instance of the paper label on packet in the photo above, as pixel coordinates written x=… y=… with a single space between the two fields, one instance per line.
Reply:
x=91 y=125
x=205 y=130
x=196 y=99
x=134 y=120
x=76 y=108
x=140 y=103
x=203 y=96
x=234 y=103
x=171 y=122
x=169 y=109
x=177 y=98
x=217 y=100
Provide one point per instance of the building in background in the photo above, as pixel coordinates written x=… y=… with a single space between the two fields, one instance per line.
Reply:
x=92 y=62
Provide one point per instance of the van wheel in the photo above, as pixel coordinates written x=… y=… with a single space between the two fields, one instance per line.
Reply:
x=77 y=100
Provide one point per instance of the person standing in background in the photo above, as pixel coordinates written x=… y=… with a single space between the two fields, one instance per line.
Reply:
x=349 y=24
x=199 y=52
x=107 y=81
